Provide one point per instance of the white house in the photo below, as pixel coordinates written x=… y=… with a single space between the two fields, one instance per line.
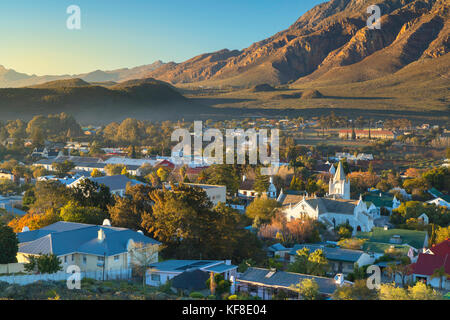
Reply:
x=333 y=212
x=159 y=273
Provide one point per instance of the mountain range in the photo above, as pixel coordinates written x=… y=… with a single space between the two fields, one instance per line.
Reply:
x=329 y=50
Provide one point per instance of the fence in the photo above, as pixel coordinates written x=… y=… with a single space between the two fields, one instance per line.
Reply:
x=11 y=268
x=121 y=274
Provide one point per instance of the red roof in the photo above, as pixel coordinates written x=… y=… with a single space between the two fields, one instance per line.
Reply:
x=373 y=131
x=427 y=263
x=442 y=249
x=165 y=163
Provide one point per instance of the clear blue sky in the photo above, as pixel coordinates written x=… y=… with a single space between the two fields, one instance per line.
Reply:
x=128 y=33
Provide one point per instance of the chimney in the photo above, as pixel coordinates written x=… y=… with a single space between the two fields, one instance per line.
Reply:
x=101 y=235
x=106 y=222
x=25 y=229
x=244 y=178
x=228 y=262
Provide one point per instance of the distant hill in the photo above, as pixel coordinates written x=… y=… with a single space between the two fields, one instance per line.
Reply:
x=12 y=79
x=147 y=98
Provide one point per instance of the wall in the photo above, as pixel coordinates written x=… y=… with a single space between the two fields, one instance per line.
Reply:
x=11 y=268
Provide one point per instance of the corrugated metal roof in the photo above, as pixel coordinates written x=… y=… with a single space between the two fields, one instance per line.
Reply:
x=65 y=237
x=285 y=279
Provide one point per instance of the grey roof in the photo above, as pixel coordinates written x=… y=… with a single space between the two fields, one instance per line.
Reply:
x=340 y=174
x=329 y=205
x=183 y=265
x=63 y=238
x=285 y=279
x=191 y=280
x=118 y=182
x=335 y=254
x=219 y=268
x=277 y=247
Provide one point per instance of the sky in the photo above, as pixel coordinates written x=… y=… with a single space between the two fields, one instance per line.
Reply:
x=118 y=33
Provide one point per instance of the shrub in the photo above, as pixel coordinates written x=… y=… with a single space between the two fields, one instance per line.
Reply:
x=196 y=295
x=233 y=297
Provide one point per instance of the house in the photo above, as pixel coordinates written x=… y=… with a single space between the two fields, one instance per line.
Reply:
x=90 y=247
x=341 y=260
x=159 y=273
x=382 y=200
x=265 y=283
x=428 y=262
x=442 y=201
x=290 y=197
x=246 y=189
x=117 y=184
x=332 y=212
x=278 y=249
x=5 y=174
x=215 y=193
x=46 y=153
x=382 y=239
x=364 y=134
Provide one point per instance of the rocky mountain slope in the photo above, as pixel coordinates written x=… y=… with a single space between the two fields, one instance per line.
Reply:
x=330 y=42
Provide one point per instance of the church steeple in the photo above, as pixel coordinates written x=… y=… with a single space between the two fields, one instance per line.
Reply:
x=340 y=174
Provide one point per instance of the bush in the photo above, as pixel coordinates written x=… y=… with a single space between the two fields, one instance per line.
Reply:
x=196 y=295
x=233 y=297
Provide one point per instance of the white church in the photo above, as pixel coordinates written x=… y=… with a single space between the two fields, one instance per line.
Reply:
x=336 y=208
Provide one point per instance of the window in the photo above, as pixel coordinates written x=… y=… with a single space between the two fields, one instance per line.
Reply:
x=84 y=259
x=65 y=259
x=116 y=258
x=100 y=259
x=156 y=277
x=73 y=257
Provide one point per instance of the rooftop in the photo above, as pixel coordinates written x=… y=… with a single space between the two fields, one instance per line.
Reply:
x=63 y=238
x=285 y=279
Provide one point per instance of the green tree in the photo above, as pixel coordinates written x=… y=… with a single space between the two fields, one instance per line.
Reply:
x=62 y=168
x=358 y=291
x=308 y=289
x=45 y=263
x=9 y=244
x=263 y=208
x=72 y=212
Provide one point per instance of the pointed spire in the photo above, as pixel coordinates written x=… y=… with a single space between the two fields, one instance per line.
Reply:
x=340 y=174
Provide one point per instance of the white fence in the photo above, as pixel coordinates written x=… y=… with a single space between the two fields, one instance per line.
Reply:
x=122 y=274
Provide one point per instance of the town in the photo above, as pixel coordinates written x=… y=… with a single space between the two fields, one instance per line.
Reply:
x=112 y=210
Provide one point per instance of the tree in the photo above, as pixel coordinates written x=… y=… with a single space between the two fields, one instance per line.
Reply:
x=262 y=207
x=358 y=291
x=45 y=263
x=142 y=257
x=9 y=244
x=163 y=174
x=35 y=221
x=420 y=291
x=440 y=273
x=442 y=234
x=308 y=289
x=72 y=212
x=262 y=183
x=50 y=195
x=129 y=211
x=391 y=292
x=218 y=282
x=402 y=267
x=114 y=169
x=96 y=173
x=313 y=263
x=89 y=193
x=62 y=168
x=222 y=174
